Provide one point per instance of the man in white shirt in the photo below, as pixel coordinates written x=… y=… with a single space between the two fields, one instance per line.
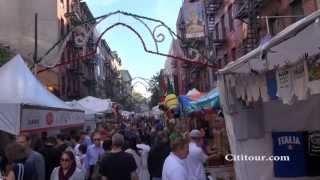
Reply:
x=196 y=157
x=174 y=167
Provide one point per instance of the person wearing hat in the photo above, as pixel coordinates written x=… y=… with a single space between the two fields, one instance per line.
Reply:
x=196 y=157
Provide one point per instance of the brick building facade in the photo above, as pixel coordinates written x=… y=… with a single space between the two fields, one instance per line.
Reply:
x=242 y=25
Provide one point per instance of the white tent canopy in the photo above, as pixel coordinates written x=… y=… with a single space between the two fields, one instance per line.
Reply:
x=96 y=105
x=26 y=105
x=18 y=85
x=74 y=104
x=156 y=112
x=287 y=47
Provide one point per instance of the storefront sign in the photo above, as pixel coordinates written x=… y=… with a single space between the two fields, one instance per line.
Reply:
x=41 y=119
x=193 y=14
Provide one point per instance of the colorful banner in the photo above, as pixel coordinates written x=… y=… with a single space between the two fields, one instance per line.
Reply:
x=193 y=14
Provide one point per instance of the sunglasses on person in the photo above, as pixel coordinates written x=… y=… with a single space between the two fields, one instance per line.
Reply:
x=64 y=160
x=97 y=139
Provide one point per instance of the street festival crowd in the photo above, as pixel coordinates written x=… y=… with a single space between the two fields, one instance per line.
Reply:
x=124 y=151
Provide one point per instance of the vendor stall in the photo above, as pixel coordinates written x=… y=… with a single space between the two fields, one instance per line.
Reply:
x=270 y=98
x=26 y=105
x=95 y=110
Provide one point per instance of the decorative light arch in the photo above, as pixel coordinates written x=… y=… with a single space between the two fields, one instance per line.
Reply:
x=156 y=36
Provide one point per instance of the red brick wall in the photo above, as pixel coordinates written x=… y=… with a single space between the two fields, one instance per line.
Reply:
x=273 y=7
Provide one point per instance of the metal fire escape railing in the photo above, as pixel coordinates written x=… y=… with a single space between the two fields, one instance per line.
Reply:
x=248 y=12
x=211 y=9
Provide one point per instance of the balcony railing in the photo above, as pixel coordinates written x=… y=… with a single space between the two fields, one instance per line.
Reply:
x=245 y=9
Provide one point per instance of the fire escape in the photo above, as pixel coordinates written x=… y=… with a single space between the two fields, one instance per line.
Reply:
x=247 y=11
x=212 y=7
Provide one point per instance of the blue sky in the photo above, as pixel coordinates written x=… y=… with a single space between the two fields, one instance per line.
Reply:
x=134 y=58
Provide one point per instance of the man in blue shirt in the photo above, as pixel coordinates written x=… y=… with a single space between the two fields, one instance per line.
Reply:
x=94 y=151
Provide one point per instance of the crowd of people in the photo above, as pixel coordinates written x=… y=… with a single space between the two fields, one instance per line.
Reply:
x=124 y=151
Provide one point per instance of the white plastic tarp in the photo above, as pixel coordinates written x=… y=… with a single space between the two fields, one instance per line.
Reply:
x=96 y=104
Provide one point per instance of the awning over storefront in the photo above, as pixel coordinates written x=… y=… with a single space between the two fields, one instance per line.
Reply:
x=286 y=48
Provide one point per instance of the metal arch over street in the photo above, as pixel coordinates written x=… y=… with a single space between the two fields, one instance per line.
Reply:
x=157 y=38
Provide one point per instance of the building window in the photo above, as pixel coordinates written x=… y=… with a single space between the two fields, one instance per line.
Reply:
x=61 y=27
x=272 y=26
x=297 y=9
x=74 y=86
x=68 y=6
x=318 y=3
x=68 y=28
x=223 y=27
x=225 y=59
x=231 y=26
x=234 y=54
x=217 y=31
x=62 y=57
x=63 y=85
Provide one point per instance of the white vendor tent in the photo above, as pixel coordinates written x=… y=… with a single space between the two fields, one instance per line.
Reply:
x=257 y=126
x=156 y=112
x=89 y=113
x=96 y=105
x=26 y=105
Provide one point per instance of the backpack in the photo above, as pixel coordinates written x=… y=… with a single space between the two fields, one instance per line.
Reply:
x=19 y=171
